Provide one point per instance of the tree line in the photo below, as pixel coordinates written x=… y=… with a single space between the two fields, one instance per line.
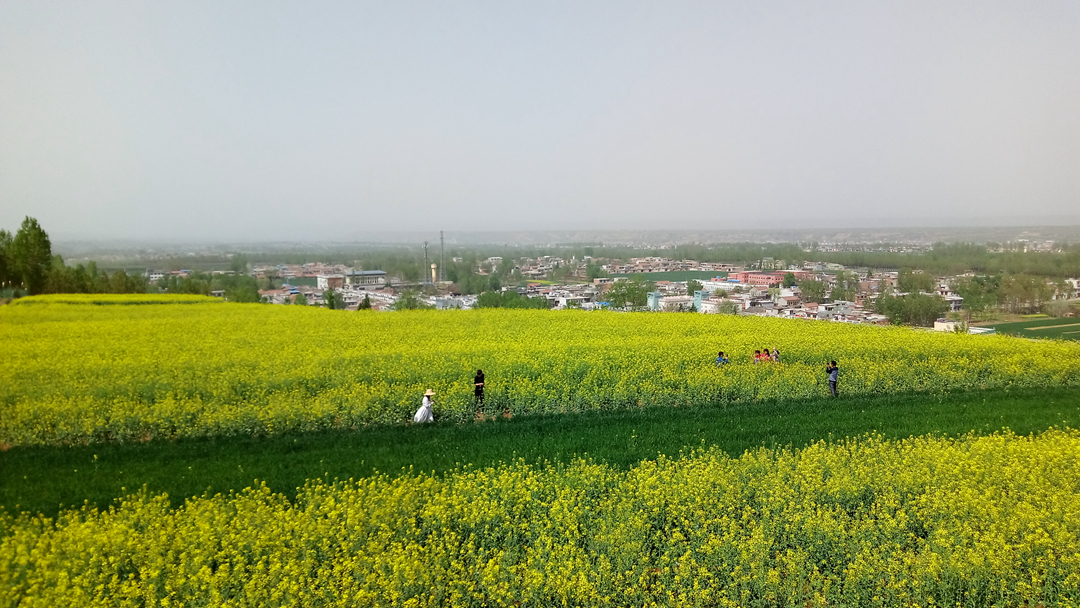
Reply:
x=958 y=258
x=407 y=262
x=28 y=265
x=237 y=287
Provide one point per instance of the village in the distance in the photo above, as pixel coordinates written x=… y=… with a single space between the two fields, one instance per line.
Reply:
x=894 y=283
x=901 y=278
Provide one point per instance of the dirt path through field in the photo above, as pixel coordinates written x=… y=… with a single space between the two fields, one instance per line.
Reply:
x=1052 y=326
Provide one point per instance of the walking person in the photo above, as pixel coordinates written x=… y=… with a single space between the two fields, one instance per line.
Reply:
x=424 y=414
x=766 y=356
x=776 y=355
x=834 y=374
x=478 y=388
x=757 y=356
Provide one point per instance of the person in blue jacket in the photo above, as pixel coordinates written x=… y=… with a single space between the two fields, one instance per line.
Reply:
x=834 y=374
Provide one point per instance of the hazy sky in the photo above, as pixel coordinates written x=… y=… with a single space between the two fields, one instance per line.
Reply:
x=264 y=120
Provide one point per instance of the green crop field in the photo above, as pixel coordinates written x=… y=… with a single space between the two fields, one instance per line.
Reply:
x=41 y=479
x=1067 y=328
x=298 y=281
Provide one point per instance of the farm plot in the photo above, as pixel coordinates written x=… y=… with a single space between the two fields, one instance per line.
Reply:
x=987 y=521
x=78 y=373
x=1064 y=329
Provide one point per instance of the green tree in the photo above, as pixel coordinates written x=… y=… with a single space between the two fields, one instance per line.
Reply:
x=365 y=304
x=62 y=278
x=692 y=287
x=271 y=276
x=912 y=309
x=82 y=280
x=813 y=291
x=728 y=308
x=197 y=283
x=1062 y=289
x=32 y=254
x=594 y=271
x=789 y=280
x=301 y=299
x=410 y=300
x=244 y=294
x=980 y=292
x=489 y=299
x=845 y=286
x=331 y=299
x=909 y=281
x=1021 y=293
x=632 y=293
x=510 y=299
x=7 y=263
x=239 y=263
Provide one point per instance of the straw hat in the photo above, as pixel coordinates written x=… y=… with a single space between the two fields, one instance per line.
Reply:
x=429 y=393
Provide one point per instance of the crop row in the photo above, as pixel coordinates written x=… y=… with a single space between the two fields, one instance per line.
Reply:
x=976 y=521
x=76 y=374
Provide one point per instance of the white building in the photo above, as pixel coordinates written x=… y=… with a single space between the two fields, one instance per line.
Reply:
x=365 y=278
x=330 y=281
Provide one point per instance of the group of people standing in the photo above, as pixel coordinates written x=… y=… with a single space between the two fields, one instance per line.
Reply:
x=759 y=357
x=766 y=356
x=832 y=370
x=425 y=413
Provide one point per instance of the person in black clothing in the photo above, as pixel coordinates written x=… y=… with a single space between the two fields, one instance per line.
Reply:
x=478 y=387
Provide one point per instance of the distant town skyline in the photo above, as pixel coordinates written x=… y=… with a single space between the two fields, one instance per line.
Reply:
x=320 y=121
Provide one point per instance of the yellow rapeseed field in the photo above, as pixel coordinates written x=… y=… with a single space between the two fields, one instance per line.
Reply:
x=79 y=373
x=974 y=521
x=116 y=299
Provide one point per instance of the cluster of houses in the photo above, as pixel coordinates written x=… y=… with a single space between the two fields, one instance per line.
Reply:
x=763 y=294
x=539 y=268
x=733 y=290
x=742 y=292
x=351 y=287
x=154 y=276
x=298 y=271
x=657 y=264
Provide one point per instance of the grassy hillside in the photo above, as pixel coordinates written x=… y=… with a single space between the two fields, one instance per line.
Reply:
x=205 y=447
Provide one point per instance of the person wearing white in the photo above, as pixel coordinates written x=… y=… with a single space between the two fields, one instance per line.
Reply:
x=424 y=414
